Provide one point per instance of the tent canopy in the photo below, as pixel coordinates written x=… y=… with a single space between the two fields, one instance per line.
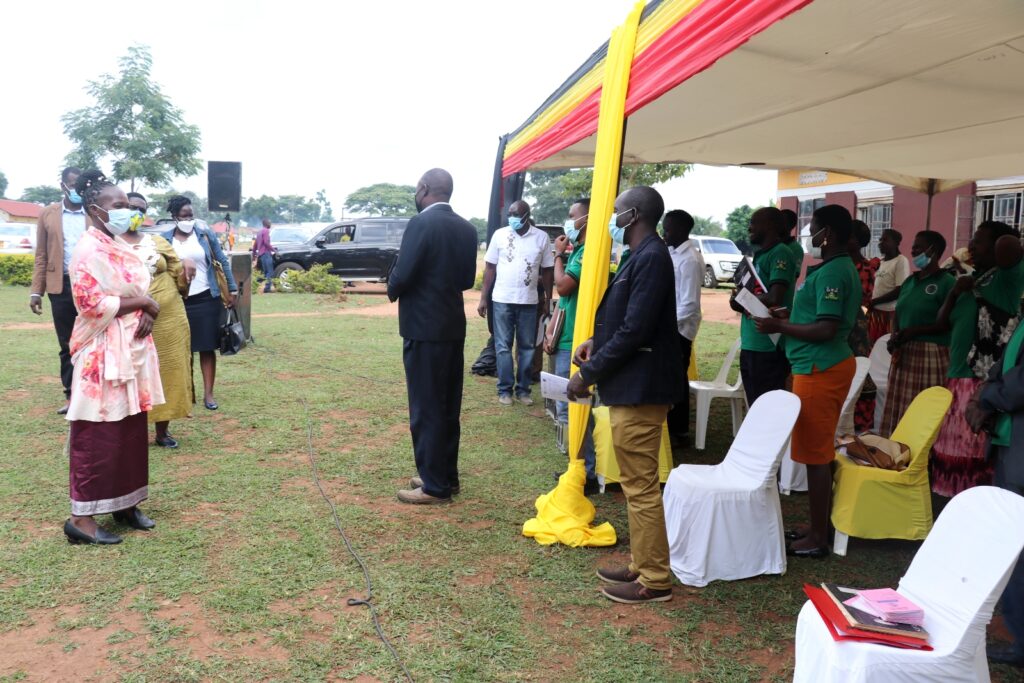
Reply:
x=901 y=92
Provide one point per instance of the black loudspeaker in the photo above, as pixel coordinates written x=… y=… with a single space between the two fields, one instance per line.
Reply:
x=224 y=185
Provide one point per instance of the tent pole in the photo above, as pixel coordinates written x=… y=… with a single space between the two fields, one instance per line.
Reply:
x=931 y=193
x=622 y=148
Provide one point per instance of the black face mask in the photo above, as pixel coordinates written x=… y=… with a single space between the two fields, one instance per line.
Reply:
x=416 y=202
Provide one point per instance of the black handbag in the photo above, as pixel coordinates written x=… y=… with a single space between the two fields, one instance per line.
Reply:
x=232 y=335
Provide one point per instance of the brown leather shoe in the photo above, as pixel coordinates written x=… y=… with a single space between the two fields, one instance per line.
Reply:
x=417 y=483
x=418 y=497
x=617 y=576
x=635 y=593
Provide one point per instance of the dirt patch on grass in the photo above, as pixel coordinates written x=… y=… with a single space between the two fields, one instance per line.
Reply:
x=14 y=327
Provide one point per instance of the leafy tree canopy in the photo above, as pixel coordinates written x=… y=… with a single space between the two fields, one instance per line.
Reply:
x=42 y=194
x=382 y=199
x=3 y=184
x=707 y=226
x=550 y=192
x=481 y=228
x=288 y=208
x=736 y=224
x=132 y=128
x=326 y=214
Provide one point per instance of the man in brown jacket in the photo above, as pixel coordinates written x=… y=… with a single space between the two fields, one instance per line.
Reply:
x=60 y=227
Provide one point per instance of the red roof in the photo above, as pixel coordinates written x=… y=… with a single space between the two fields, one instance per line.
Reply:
x=20 y=209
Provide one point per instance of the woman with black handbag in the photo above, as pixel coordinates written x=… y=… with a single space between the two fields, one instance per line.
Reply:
x=212 y=288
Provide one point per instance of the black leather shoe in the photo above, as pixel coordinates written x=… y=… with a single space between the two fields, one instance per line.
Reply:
x=76 y=535
x=211 y=405
x=166 y=441
x=591 y=487
x=1006 y=655
x=794 y=535
x=135 y=519
x=813 y=553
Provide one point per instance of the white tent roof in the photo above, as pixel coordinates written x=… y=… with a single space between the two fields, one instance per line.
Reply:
x=900 y=91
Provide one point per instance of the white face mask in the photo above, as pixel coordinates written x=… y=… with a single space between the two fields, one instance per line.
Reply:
x=186 y=226
x=815 y=252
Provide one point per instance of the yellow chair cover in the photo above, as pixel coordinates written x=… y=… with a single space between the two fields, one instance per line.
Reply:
x=868 y=502
x=564 y=515
x=607 y=466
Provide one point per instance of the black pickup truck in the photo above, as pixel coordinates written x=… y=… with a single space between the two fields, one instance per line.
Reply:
x=359 y=249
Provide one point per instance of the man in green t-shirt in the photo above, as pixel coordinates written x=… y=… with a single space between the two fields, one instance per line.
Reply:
x=568 y=270
x=763 y=364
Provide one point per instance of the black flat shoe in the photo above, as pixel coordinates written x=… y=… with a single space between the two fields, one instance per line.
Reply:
x=211 y=405
x=76 y=536
x=813 y=553
x=166 y=441
x=135 y=519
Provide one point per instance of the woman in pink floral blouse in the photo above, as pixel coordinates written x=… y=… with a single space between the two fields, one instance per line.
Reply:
x=116 y=372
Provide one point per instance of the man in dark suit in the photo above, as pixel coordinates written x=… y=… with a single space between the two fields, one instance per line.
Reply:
x=59 y=229
x=436 y=263
x=634 y=359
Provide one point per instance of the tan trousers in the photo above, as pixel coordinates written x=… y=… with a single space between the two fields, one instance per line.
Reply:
x=636 y=435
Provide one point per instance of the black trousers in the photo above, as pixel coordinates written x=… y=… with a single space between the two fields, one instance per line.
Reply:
x=62 y=306
x=679 y=415
x=763 y=371
x=433 y=376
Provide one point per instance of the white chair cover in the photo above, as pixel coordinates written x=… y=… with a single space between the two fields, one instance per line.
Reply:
x=880 y=362
x=957 y=576
x=793 y=475
x=724 y=521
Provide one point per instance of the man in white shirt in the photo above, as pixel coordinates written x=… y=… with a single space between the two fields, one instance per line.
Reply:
x=518 y=259
x=688 y=265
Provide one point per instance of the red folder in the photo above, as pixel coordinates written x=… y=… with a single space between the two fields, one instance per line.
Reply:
x=840 y=630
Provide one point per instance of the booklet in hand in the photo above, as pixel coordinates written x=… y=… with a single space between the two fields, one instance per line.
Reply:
x=748 y=290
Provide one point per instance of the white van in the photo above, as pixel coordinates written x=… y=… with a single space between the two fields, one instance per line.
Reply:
x=720 y=258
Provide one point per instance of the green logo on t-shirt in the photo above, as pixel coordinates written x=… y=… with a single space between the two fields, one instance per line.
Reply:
x=831 y=294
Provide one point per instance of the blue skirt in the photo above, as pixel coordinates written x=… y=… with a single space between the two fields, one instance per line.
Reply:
x=205 y=316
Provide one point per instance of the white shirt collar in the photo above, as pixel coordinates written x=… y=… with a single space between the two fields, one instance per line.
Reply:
x=682 y=248
x=435 y=204
x=65 y=208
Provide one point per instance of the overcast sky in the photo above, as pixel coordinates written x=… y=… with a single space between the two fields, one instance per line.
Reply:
x=310 y=95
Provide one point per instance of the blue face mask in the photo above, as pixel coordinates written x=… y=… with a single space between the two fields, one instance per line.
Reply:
x=618 y=234
x=922 y=260
x=571 y=231
x=119 y=220
x=73 y=196
x=515 y=222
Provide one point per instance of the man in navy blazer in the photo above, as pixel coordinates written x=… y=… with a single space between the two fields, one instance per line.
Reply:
x=634 y=360
x=436 y=263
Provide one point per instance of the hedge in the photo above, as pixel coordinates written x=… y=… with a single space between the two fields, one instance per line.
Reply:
x=16 y=269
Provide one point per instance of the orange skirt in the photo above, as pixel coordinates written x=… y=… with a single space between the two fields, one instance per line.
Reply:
x=821 y=401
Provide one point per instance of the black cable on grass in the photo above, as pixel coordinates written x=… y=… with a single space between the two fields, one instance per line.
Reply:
x=352 y=602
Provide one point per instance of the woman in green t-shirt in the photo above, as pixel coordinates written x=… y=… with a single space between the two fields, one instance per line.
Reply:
x=982 y=309
x=920 y=343
x=816 y=346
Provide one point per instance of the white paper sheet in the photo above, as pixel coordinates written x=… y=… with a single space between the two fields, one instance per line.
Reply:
x=554 y=387
x=755 y=308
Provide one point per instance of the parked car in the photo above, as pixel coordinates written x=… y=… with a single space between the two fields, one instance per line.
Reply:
x=360 y=249
x=720 y=258
x=17 y=238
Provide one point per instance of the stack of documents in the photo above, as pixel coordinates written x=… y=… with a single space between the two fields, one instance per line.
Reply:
x=889 y=605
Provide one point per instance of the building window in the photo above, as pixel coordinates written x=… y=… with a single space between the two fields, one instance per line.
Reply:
x=806 y=210
x=879 y=218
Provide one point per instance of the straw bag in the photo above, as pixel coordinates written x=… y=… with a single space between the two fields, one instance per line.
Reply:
x=872 y=450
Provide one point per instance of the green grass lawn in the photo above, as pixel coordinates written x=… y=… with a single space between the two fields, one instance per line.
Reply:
x=246 y=579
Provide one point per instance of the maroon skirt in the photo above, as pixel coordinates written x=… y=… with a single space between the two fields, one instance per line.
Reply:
x=109 y=465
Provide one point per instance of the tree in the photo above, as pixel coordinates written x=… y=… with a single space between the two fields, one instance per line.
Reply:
x=3 y=184
x=288 y=208
x=383 y=199
x=708 y=227
x=42 y=194
x=550 y=192
x=481 y=228
x=737 y=223
x=326 y=215
x=133 y=127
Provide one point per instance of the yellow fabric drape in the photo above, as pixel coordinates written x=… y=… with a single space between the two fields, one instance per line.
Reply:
x=564 y=515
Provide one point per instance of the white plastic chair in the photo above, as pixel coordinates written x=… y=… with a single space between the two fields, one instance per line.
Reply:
x=724 y=521
x=879 y=372
x=704 y=392
x=793 y=475
x=957 y=576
